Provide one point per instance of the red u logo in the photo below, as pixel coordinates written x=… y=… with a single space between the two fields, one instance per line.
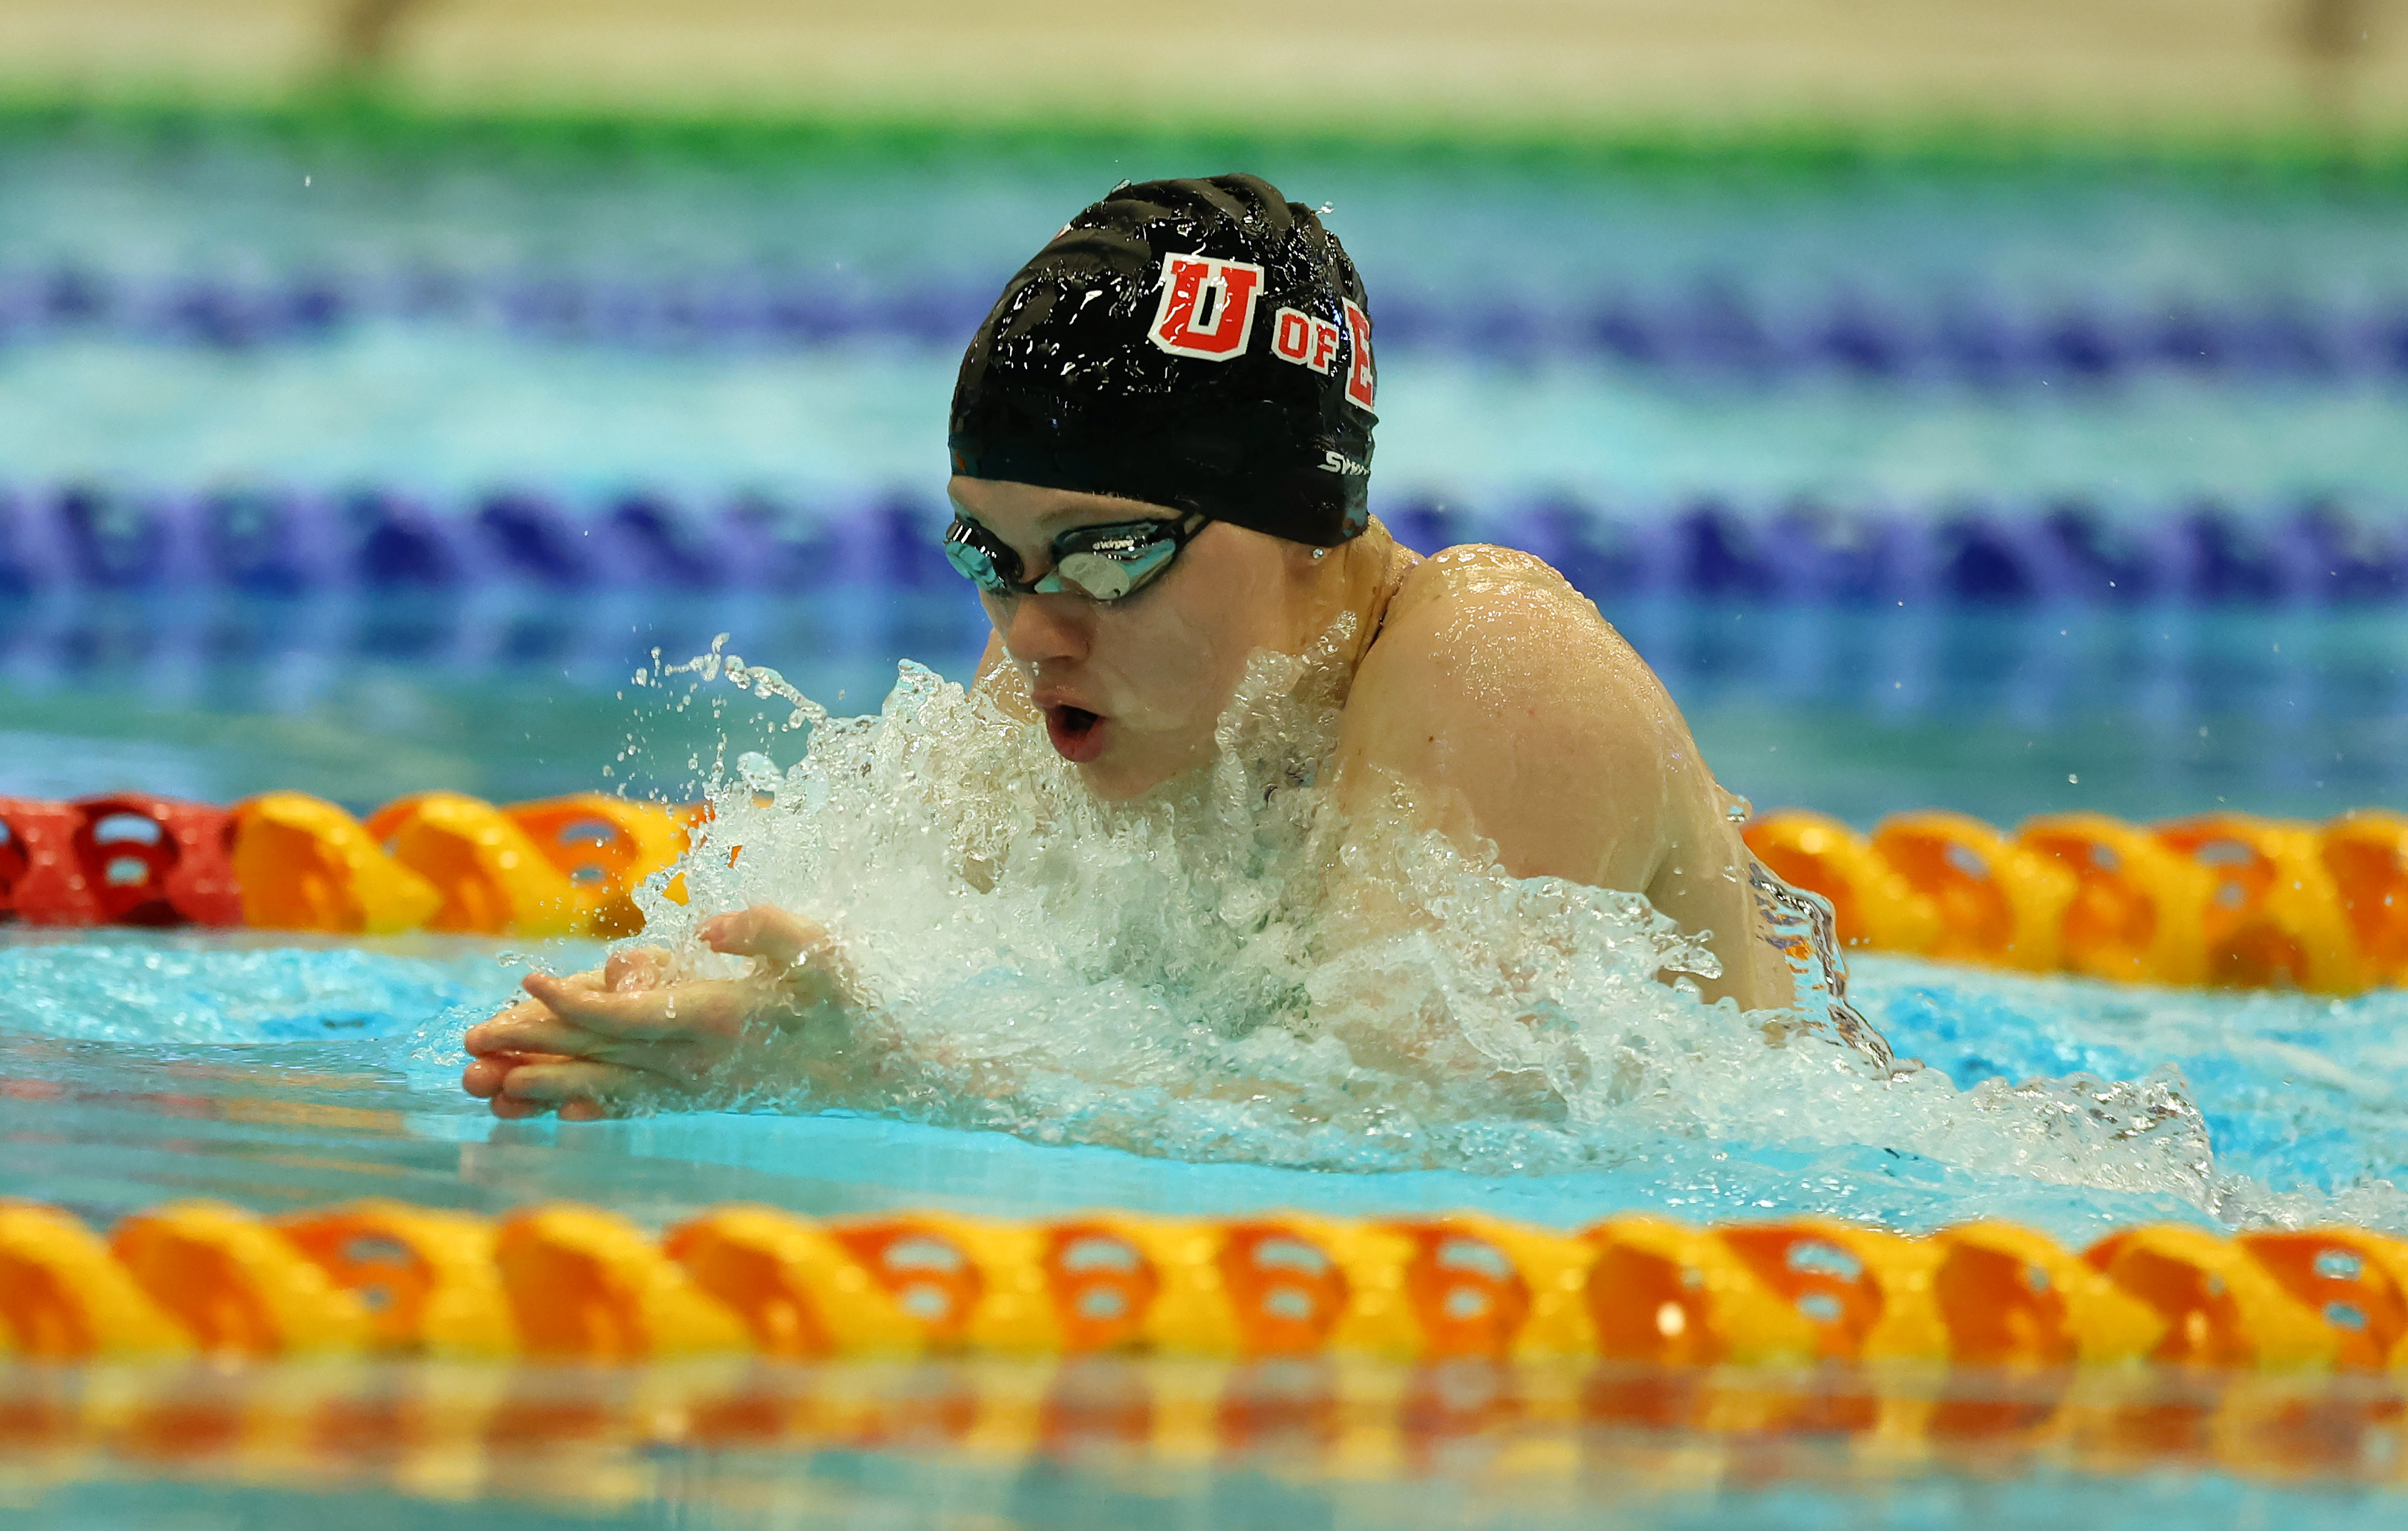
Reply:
x=1207 y=307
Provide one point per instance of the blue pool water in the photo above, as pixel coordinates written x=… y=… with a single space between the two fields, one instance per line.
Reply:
x=144 y=1065
x=282 y=1074
x=363 y=467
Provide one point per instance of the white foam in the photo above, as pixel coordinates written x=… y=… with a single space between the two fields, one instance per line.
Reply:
x=1194 y=975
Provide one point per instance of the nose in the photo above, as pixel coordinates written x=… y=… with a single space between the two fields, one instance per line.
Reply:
x=1040 y=628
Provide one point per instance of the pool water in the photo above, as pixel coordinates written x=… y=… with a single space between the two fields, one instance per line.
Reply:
x=279 y=1075
x=2008 y=488
x=282 y=1074
x=1858 y=711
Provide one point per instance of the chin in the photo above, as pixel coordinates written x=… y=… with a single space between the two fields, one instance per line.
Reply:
x=1120 y=774
x=1116 y=783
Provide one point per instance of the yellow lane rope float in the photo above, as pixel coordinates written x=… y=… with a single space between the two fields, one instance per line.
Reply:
x=2224 y=899
x=286 y=860
x=566 y=1282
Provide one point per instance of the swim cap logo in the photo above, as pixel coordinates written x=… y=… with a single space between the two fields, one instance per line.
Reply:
x=1362 y=377
x=1207 y=307
x=1300 y=338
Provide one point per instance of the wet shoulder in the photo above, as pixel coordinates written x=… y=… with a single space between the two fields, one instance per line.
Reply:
x=1503 y=635
x=1496 y=686
x=1500 y=605
x=1471 y=571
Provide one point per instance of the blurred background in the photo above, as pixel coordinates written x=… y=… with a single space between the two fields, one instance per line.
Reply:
x=2000 y=406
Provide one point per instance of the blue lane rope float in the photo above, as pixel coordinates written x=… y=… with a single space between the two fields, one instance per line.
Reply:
x=1701 y=328
x=282 y=542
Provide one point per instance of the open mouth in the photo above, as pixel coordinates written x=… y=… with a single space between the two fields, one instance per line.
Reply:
x=1077 y=733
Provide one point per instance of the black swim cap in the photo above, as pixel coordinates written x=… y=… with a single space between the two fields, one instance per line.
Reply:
x=1200 y=344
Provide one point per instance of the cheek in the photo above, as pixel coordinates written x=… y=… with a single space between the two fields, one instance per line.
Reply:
x=1181 y=662
x=996 y=619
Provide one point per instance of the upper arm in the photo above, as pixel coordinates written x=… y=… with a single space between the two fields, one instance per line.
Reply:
x=1509 y=711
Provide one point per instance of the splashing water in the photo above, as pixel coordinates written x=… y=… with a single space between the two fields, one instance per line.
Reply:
x=1230 y=972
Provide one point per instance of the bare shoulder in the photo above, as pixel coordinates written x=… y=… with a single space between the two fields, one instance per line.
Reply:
x=1496 y=687
x=1491 y=627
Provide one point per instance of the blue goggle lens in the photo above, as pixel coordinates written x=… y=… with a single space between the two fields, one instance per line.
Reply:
x=1101 y=563
x=964 y=551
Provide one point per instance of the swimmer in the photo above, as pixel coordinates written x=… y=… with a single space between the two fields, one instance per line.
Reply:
x=1161 y=445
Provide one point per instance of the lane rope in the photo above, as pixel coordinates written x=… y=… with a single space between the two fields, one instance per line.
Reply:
x=565 y=1281
x=2225 y=898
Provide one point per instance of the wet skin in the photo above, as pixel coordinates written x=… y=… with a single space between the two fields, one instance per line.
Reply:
x=1483 y=685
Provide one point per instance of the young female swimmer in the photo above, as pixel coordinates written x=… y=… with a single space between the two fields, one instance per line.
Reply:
x=1161 y=442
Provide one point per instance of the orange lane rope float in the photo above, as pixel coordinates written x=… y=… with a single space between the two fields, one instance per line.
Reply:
x=560 y=1281
x=2224 y=899
x=444 y=1354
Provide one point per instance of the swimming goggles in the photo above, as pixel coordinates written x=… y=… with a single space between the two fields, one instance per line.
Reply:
x=1101 y=563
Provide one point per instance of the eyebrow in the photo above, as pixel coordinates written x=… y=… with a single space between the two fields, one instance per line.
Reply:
x=1071 y=519
x=1050 y=524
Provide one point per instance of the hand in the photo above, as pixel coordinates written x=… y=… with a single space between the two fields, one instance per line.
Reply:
x=592 y=1045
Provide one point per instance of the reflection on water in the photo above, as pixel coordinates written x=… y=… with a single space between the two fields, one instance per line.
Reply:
x=1110 y=1442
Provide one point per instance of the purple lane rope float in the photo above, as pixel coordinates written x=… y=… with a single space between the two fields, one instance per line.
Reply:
x=1701 y=328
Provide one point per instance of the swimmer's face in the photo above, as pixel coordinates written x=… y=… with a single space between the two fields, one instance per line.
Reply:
x=1130 y=688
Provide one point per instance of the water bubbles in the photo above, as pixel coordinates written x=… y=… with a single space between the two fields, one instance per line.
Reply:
x=1234 y=970
x=759 y=773
x=760 y=680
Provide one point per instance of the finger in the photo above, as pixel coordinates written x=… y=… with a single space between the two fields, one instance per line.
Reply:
x=583 y=1110
x=510 y=1108
x=540 y=1031
x=767 y=932
x=552 y=1041
x=551 y=1084
x=657 y=1014
x=637 y=968
x=479 y=1038
x=588 y=980
x=483 y=1077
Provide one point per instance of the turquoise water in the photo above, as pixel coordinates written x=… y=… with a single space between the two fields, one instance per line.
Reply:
x=184 y=308
x=281 y=1075
x=1603 y=362
x=2159 y=712
x=1629 y=1480
x=146 y=1065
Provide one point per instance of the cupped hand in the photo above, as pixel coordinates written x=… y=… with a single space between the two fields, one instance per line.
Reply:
x=591 y=1044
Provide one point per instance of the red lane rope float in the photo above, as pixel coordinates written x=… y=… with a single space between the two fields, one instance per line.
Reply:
x=560 y=1281
x=126 y=859
x=2230 y=899
x=286 y=860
